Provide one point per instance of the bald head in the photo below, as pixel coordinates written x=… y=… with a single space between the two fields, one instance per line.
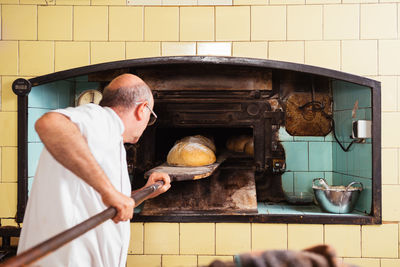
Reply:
x=125 y=91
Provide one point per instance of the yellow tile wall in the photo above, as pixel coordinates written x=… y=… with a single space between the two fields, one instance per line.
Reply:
x=304 y=22
x=389 y=91
x=356 y=36
x=126 y=23
x=8 y=98
x=268 y=236
x=324 y=54
x=9 y=165
x=345 y=26
x=9 y=57
x=378 y=21
x=232 y=238
x=90 y=23
x=143 y=49
x=19 y=22
x=301 y=236
x=70 y=55
x=178 y=49
x=380 y=241
x=268 y=23
x=197 y=238
x=161 y=238
x=360 y=57
x=346 y=239
x=161 y=24
x=197 y=24
x=106 y=51
x=250 y=49
x=292 y=51
x=54 y=23
x=390 y=163
x=232 y=23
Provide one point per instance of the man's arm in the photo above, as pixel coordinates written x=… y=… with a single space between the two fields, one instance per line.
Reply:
x=67 y=145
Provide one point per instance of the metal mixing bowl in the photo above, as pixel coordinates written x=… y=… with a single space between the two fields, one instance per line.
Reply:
x=336 y=199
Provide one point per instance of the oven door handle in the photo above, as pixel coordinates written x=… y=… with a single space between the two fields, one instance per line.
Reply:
x=55 y=242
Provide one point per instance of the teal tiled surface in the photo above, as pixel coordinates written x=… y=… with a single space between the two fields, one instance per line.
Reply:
x=328 y=177
x=329 y=137
x=33 y=115
x=337 y=179
x=284 y=135
x=34 y=150
x=311 y=209
x=83 y=86
x=287 y=182
x=320 y=156
x=345 y=94
x=303 y=180
x=309 y=138
x=296 y=156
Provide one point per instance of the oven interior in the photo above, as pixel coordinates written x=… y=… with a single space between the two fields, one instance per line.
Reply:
x=288 y=115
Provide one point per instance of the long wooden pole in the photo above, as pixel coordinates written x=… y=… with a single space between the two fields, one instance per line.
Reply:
x=35 y=253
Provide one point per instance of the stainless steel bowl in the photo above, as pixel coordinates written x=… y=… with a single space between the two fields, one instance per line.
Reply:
x=336 y=199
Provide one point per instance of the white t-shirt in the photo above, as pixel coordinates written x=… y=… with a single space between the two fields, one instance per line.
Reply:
x=59 y=199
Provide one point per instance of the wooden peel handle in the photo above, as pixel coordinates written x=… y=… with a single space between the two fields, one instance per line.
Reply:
x=48 y=246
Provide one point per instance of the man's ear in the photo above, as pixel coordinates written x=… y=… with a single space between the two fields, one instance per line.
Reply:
x=139 y=111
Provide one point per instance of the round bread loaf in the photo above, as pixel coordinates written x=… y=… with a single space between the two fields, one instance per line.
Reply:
x=199 y=139
x=249 y=148
x=190 y=154
x=237 y=143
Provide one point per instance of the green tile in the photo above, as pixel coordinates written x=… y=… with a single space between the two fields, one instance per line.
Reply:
x=284 y=135
x=262 y=208
x=35 y=97
x=296 y=156
x=83 y=86
x=329 y=137
x=309 y=138
x=303 y=181
x=50 y=95
x=287 y=182
x=320 y=156
x=337 y=178
x=33 y=115
x=340 y=159
x=345 y=94
x=65 y=94
x=328 y=177
x=365 y=160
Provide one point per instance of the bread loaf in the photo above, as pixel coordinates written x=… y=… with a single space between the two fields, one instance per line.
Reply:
x=238 y=143
x=192 y=151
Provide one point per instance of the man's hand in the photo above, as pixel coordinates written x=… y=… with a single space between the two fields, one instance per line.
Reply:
x=122 y=203
x=159 y=176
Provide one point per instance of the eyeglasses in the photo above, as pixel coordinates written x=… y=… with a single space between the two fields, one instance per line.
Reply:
x=153 y=116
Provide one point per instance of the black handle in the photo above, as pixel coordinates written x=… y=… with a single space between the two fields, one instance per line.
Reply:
x=46 y=247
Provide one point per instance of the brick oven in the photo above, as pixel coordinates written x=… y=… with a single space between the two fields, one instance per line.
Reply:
x=295 y=113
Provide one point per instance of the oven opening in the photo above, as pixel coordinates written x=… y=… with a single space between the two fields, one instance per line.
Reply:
x=231 y=189
x=166 y=138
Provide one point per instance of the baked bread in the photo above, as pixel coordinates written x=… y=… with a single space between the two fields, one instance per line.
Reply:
x=238 y=143
x=192 y=151
x=249 y=148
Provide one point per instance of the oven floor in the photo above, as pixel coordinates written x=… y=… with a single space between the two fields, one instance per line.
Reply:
x=285 y=209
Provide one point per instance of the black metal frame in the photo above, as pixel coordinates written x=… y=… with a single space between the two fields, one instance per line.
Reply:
x=376 y=213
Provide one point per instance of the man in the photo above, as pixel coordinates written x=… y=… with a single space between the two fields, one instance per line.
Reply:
x=82 y=171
